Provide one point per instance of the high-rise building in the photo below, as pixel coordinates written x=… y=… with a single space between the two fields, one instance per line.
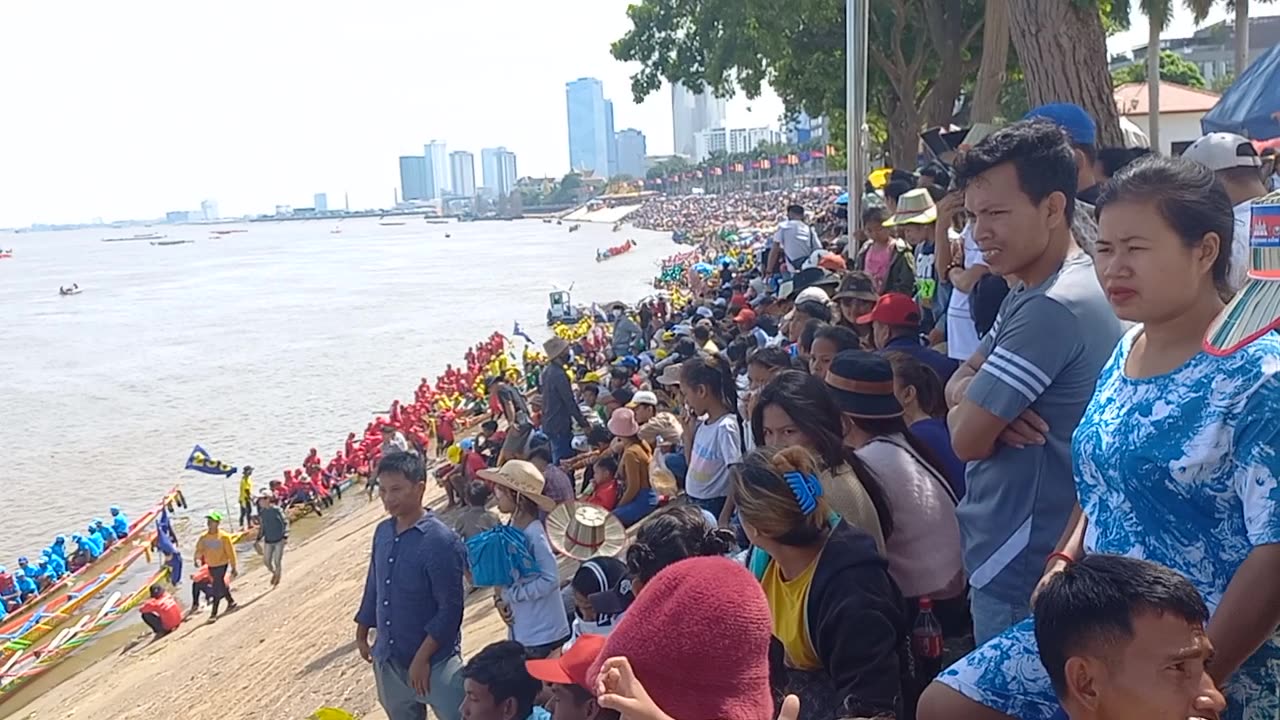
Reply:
x=209 y=209
x=613 y=138
x=437 y=169
x=589 y=126
x=803 y=129
x=414 y=178
x=499 y=167
x=631 y=152
x=734 y=140
x=691 y=113
x=321 y=202
x=462 y=172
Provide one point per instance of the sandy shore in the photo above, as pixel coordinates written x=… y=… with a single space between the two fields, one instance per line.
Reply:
x=282 y=655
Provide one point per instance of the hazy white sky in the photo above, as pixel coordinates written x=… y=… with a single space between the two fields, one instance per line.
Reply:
x=130 y=108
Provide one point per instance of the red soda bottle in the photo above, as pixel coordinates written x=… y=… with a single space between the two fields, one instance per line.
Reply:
x=926 y=642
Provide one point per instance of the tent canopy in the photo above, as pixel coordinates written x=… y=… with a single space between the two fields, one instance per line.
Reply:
x=1251 y=106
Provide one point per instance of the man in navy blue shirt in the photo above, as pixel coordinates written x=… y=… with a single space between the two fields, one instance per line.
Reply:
x=413 y=600
x=895 y=327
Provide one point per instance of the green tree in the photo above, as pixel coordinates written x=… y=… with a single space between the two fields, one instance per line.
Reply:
x=921 y=52
x=1222 y=82
x=1172 y=69
x=570 y=184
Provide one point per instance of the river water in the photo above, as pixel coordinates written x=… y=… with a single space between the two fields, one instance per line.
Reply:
x=256 y=345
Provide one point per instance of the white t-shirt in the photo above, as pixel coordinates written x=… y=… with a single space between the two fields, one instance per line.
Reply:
x=962 y=336
x=797 y=241
x=1237 y=273
x=716 y=446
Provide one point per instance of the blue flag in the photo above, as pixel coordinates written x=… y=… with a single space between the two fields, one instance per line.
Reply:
x=200 y=461
x=521 y=334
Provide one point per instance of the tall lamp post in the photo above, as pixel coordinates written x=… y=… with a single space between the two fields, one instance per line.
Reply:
x=855 y=53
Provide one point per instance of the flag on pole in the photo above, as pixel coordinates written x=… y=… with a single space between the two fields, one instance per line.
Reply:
x=521 y=334
x=200 y=461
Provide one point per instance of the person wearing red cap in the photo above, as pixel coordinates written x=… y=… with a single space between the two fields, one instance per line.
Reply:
x=572 y=685
x=697 y=637
x=895 y=327
x=746 y=320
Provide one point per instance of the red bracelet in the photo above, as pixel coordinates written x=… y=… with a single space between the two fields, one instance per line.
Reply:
x=1059 y=555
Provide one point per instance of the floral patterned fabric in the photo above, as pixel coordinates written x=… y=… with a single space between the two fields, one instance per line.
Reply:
x=1180 y=469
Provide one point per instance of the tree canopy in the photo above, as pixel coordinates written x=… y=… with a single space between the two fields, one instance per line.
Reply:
x=922 y=53
x=1172 y=69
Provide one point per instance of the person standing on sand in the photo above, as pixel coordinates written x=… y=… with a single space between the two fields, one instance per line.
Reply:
x=273 y=531
x=216 y=550
x=246 y=497
x=559 y=407
x=416 y=603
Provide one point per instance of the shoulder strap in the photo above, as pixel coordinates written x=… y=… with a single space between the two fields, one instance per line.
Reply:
x=946 y=486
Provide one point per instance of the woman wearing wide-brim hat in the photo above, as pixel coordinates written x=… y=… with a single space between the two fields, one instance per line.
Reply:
x=538 y=619
x=924 y=549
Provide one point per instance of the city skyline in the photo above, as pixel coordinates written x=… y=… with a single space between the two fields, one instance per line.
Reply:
x=589 y=123
x=341 y=86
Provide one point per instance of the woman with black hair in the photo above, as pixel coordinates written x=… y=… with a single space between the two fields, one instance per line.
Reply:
x=828 y=341
x=713 y=433
x=924 y=409
x=671 y=535
x=839 y=625
x=924 y=548
x=795 y=410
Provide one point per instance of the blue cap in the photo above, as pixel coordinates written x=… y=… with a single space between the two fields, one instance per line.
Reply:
x=3 y=569
x=115 y=509
x=59 y=540
x=19 y=574
x=467 y=443
x=22 y=560
x=1070 y=117
x=77 y=537
x=46 y=552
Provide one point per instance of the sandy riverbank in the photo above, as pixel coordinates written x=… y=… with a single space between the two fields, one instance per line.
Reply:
x=282 y=655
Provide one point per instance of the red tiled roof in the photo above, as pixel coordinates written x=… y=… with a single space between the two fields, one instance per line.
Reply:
x=1131 y=99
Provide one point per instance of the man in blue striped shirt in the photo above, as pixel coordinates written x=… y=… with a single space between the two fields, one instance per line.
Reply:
x=1017 y=400
x=413 y=600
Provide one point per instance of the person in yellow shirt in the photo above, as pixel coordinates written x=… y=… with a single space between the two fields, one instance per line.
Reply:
x=216 y=550
x=246 y=497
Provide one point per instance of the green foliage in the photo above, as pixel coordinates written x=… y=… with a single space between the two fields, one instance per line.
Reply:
x=1220 y=83
x=1172 y=69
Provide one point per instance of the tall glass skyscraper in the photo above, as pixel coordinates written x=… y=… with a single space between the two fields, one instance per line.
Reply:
x=437 y=169
x=499 y=166
x=414 y=178
x=692 y=113
x=590 y=126
x=462 y=170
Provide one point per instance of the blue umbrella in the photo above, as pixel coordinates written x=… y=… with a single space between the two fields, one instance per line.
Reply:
x=703 y=268
x=1251 y=106
x=843 y=199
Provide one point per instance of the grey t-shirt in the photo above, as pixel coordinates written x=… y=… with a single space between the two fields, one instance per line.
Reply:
x=798 y=241
x=1045 y=352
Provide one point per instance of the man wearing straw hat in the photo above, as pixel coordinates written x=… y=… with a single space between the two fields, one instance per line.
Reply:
x=559 y=406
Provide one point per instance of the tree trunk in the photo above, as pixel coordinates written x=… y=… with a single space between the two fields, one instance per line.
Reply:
x=1063 y=51
x=904 y=122
x=995 y=57
x=1153 y=82
x=1242 y=37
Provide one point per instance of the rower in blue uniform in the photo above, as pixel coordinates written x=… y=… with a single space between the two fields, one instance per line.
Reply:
x=119 y=523
x=88 y=549
x=42 y=573
x=59 y=548
x=105 y=536
x=57 y=567
x=27 y=587
x=33 y=574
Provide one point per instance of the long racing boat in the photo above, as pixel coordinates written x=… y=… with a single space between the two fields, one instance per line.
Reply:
x=23 y=668
x=59 y=610
x=139 y=529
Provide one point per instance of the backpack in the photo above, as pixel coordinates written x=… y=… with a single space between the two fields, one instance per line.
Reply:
x=499 y=556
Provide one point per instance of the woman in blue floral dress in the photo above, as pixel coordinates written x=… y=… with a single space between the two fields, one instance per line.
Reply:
x=1177 y=457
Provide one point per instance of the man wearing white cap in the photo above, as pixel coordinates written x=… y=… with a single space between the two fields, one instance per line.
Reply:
x=1236 y=163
